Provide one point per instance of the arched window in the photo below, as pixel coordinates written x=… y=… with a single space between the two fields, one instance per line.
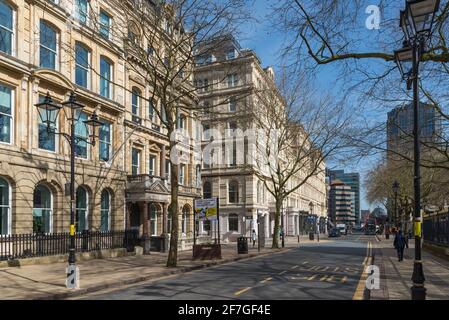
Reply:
x=82 y=210
x=7 y=40
x=207 y=190
x=105 y=211
x=185 y=217
x=5 y=207
x=48 y=53
x=42 y=210
x=153 y=219
x=233 y=193
x=233 y=222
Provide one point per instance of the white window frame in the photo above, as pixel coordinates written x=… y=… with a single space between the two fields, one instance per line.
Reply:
x=57 y=64
x=86 y=215
x=89 y=74
x=153 y=222
x=87 y=139
x=77 y=12
x=152 y=163
x=13 y=31
x=110 y=80
x=9 y=208
x=110 y=142
x=51 y=207
x=109 y=26
x=138 y=160
x=109 y=209
x=13 y=104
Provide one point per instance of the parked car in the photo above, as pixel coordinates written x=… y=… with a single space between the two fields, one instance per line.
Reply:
x=334 y=233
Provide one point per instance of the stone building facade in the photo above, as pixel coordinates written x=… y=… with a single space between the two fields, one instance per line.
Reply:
x=227 y=79
x=52 y=47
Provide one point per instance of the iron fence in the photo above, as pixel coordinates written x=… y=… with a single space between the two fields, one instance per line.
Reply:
x=436 y=229
x=19 y=246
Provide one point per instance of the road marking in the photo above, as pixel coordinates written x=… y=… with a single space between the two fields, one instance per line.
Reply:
x=294 y=267
x=312 y=277
x=336 y=269
x=314 y=268
x=283 y=272
x=358 y=294
x=242 y=291
x=305 y=262
x=266 y=280
x=343 y=280
x=324 y=278
x=325 y=269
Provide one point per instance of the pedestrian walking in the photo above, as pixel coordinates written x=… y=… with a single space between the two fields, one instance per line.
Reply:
x=254 y=237
x=399 y=244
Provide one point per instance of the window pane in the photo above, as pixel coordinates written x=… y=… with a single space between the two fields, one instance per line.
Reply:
x=104 y=24
x=4 y=206
x=82 y=7
x=105 y=77
x=5 y=40
x=41 y=209
x=82 y=65
x=105 y=209
x=6 y=15
x=81 y=209
x=82 y=135
x=5 y=114
x=47 y=46
x=105 y=141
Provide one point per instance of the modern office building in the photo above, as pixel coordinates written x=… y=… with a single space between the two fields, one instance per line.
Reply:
x=400 y=127
x=340 y=204
x=353 y=181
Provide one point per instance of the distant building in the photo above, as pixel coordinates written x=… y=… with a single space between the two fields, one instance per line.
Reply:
x=340 y=200
x=352 y=180
x=364 y=214
x=400 y=127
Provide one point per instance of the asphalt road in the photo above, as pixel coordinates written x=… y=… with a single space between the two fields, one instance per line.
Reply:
x=315 y=271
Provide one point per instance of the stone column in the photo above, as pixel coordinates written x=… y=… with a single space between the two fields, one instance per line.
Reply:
x=162 y=162
x=165 y=227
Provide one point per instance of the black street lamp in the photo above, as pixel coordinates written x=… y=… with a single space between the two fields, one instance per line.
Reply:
x=416 y=22
x=48 y=112
x=395 y=188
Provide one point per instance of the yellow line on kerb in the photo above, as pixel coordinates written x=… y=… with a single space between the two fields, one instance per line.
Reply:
x=358 y=294
x=242 y=291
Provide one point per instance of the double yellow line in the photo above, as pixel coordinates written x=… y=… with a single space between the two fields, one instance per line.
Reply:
x=358 y=294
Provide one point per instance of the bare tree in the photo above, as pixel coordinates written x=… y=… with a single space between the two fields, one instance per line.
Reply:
x=340 y=34
x=297 y=132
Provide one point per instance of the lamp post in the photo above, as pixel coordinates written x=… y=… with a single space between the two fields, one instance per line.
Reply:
x=395 y=188
x=416 y=22
x=48 y=113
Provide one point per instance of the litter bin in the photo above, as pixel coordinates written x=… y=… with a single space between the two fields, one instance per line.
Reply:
x=242 y=245
x=311 y=236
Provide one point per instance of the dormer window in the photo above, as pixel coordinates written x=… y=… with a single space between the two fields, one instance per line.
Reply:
x=231 y=54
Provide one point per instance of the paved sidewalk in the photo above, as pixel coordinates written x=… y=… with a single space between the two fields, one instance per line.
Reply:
x=48 y=281
x=396 y=276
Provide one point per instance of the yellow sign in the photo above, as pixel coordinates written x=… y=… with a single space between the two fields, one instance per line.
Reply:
x=418 y=228
x=72 y=230
x=206 y=209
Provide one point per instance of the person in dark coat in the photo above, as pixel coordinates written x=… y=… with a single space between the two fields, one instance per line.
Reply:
x=399 y=244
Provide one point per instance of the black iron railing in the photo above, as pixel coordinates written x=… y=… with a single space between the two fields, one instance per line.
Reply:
x=436 y=229
x=19 y=246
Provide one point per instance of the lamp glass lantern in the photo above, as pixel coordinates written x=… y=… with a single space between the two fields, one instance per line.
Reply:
x=404 y=61
x=73 y=105
x=421 y=15
x=405 y=25
x=93 y=125
x=48 y=111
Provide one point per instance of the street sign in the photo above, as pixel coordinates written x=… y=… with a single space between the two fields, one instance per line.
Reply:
x=206 y=209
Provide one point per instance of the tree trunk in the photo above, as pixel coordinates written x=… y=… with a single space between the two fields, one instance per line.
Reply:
x=174 y=210
x=277 y=215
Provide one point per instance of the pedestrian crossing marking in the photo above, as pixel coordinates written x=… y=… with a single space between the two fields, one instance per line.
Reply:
x=312 y=277
x=294 y=267
x=305 y=262
x=345 y=278
x=283 y=272
x=324 y=278
x=336 y=269
x=325 y=269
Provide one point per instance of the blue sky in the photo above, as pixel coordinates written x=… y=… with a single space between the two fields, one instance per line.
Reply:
x=267 y=44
